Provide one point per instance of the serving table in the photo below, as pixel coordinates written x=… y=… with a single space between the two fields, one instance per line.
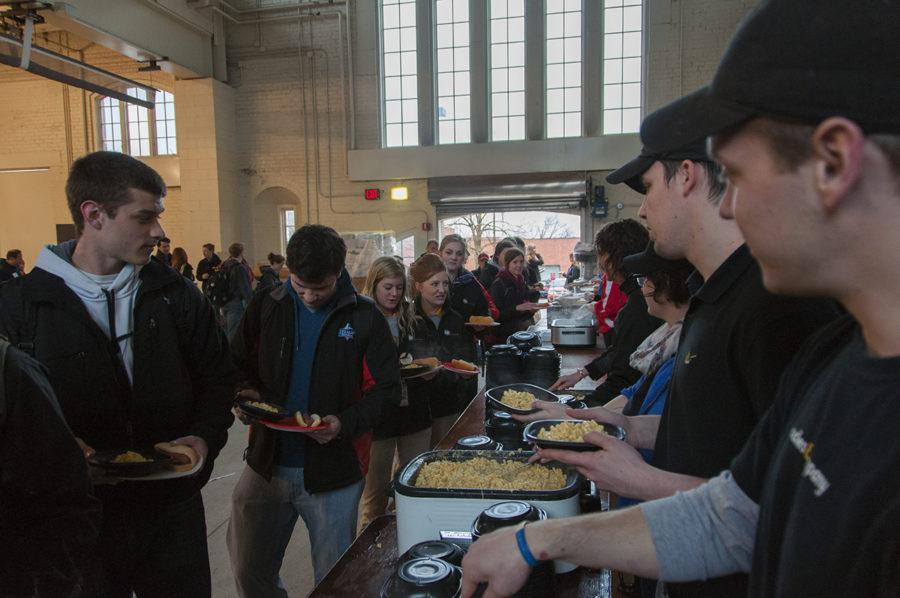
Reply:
x=372 y=558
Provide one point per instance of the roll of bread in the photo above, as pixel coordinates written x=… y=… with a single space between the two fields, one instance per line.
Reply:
x=184 y=458
x=431 y=362
x=462 y=364
x=481 y=320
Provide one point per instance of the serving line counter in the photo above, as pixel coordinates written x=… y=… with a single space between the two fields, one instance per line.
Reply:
x=373 y=556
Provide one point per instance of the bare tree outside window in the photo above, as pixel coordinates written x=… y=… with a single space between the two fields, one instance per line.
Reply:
x=551 y=228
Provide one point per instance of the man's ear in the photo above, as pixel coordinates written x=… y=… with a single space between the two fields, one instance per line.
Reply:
x=93 y=214
x=687 y=176
x=838 y=146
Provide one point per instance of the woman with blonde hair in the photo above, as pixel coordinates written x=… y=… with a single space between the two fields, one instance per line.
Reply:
x=406 y=429
x=439 y=331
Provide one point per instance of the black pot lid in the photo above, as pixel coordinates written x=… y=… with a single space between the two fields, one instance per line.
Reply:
x=544 y=352
x=479 y=442
x=505 y=514
x=503 y=350
x=425 y=572
x=523 y=336
x=435 y=549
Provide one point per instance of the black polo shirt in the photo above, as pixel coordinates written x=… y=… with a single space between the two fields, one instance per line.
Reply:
x=736 y=340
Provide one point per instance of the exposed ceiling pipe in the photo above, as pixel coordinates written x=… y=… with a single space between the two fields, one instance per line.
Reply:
x=281 y=7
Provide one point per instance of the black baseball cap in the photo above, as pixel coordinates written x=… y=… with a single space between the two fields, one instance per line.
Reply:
x=802 y=60
x=648 y=262
x=656 y=147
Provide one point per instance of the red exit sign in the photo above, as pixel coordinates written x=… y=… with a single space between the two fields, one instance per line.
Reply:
x=371 y=194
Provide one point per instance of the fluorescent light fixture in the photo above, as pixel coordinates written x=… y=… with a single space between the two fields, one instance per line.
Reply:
x=400 y=193
x=27 y=169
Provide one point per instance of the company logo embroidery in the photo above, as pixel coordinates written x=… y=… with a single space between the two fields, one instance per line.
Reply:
x=346 y=332
x=689 y=357
x=810 y=471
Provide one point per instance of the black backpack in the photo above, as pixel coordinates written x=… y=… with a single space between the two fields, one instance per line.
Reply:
x=218 y=285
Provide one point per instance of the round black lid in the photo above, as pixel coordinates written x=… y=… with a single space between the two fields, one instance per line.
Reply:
x=505 y=514
x=435 y=549
x=503 y=350
x=524 y=338
x=476 y=443
x=503 y=420
x=425 y=572
x=544 y=352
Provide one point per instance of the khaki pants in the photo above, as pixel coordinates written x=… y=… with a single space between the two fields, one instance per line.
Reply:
x=382 y=465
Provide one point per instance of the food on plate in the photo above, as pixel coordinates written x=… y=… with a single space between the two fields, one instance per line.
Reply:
x=184 y=457
x=309 y=421
x=481 y=320
x=411 y=366
x=517 y=399
x=130 y=457
x=263 y=406
x=462 y=364
x=571 y=431
x=431 y=362
x=488 y=474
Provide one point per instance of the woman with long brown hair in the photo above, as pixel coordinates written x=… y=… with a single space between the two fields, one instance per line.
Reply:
x=439 y=331
x=180 y=263
x=511 y=294
x=406 y=429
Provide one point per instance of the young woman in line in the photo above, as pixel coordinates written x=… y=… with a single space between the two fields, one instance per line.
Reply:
x=270 y=276
x=439 y=331
x=180 y=263
x=511 y=295
x=405 y=431
x=467 y=295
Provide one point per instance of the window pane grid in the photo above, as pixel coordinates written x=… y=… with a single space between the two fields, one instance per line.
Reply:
x=401 y=106
x=563 y=64
x=165 y=124
x=622 y=54
x=452 y=61
x=138 y=125
x=507 y=31
x=110 y=125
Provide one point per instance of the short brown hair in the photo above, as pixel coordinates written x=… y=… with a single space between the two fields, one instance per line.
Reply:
x=620 y=239
x=314 y=252
x=105 y=178
x=235 y=249
x=508 y=255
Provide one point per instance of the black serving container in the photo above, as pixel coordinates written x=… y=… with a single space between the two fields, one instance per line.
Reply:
x=424 y=578
x=541 y=366
x=533 y=429
x=502 y=365
x=478 y=443
x=494 y=394
x=435 y=549
x=541 y=581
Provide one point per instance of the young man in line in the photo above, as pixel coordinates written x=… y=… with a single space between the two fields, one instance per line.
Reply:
x=206 y=266
x=811 y=504
x=315 y=346
x=135 y=357
x=240 y=285
x=164 y=251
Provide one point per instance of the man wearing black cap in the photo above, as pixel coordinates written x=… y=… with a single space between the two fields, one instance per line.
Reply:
x=811 y=505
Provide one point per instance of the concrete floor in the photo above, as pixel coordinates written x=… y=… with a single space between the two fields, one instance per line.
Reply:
x=296 y=571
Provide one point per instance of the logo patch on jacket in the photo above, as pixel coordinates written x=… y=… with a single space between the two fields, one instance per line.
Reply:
x=346 y=332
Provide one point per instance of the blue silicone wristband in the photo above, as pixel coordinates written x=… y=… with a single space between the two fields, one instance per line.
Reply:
x=523 y=548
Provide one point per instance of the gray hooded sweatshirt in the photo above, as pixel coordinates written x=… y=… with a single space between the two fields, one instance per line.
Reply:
x=99 y=293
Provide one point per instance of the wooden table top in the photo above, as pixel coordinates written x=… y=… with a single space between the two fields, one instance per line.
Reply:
x=372 y=558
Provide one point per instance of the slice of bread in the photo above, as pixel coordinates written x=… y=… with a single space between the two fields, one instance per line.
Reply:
x=481 y=320
x=431 y=362
x=462 y=364
x=184 y=458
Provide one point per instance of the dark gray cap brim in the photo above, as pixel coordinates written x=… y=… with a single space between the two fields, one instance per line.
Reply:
x=631 y=173
x=692 y=118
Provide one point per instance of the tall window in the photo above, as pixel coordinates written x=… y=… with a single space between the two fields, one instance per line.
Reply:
x=452 y=57
x=563 y=68
x=141 y=132
x=622 y=24
x=288 y=226
x=507 y=69
x=401 y=104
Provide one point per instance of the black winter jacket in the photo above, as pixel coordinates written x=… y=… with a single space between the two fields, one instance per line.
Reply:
x=48 y=515
x=447 y=392
x=205 y=268
x=267 y=280
x=507 y=296
x=633 y=325
x=411 y=417
x=183 y=377
x=355 y=376
x=469 y=298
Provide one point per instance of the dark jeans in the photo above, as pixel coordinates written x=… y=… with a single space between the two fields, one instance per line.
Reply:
x=154 y=551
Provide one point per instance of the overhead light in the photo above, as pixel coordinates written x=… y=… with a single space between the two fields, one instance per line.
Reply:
x=400 y=193
x=31 y=169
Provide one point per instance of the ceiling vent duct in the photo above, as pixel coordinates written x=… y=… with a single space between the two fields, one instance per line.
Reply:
x=20 y=52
